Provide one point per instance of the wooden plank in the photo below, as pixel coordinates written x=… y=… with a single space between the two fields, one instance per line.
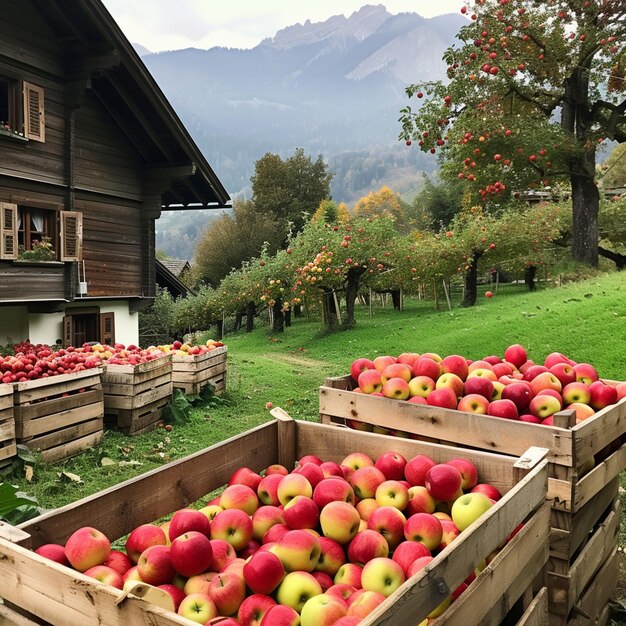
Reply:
x=139 y=400
x=67 y=434
x=53 y=381
x=499 y=586
x=537 y=613
x=7 y=453
x=31 y=428
x=61 y=595
x=71 y=448
x=478 y=431
x=161 y=376
x=9 y=617
x=28 y=412
x=121 y=508
x=140 y=368
x=595 y=599
x=7 y=430
x=565 y=590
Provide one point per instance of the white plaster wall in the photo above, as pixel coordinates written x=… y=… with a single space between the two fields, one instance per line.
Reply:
x=13 y=324
x=126 y=323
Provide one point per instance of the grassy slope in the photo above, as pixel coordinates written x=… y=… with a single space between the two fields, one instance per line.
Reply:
x=586 y=321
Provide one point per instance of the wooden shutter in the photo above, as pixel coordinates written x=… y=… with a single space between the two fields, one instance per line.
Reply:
x=8 y=227
x=71 y=235
x=34 y=114
x=107 y=328
x=68 y=331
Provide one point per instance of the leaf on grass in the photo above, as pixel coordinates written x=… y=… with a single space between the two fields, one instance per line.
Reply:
x=105 y=461
x=127 y=463
x=68 y=477
x=11 y=499
x=572 y=300
x=28 y=473
x=588 y=295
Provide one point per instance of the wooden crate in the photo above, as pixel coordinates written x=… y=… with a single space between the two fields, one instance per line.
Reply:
x=194 y=372
x=135 y=396
x=579 y=497
x=62 y=596
x=8 y=446
x=61 y=415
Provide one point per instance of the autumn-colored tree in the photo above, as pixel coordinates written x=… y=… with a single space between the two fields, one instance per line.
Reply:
x=386 y=202
x=533 y=89
x=331 y=213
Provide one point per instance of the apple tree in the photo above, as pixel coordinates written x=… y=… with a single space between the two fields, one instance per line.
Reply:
x=534 y=88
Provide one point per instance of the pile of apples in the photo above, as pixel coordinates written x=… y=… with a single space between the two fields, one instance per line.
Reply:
x=321 y=545
x=184 y=349
x=511 y=388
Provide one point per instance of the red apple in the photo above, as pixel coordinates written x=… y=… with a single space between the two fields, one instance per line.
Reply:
x=87 y=547
x=392 y=465
x=489 y=490
x=191 y=553
x=332 y=556
x=185 y=520
x=245 y=476
x=421 y=386
x=155 y=565
x=585 y=373
x=253 y=609
x=381 y=362
x=360 y=365
x=301 y=512
x=533 y=371
x=455 y=364
x=367 y=545
x=519 y=393
x=564 y=372
x=370 y=381
x=474 y=403
x=601 y=395
x=409 y=551
x=396 y=388
x=424 y=528
x=54 y=552
x=516 y=354
x=233 y=526
x=396 y=370
x=426 y=367
x=106 y=575
x=479 y=385
x=443 y=482
x=177 y=594
x=444 y=397
x=228 y=591
x=263 y=572
x=468 y=470
x=416 y=469
x=545 y=380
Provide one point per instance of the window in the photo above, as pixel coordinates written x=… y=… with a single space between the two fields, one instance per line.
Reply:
x=86 y=325
x=38 y=234
x=25 y=115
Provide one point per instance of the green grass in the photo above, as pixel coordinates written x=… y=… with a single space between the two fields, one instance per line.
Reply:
x=586 y=321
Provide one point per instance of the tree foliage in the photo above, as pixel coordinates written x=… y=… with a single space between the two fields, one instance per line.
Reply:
x=533 y=89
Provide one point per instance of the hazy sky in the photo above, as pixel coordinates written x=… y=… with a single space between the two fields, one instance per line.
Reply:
x=166 y=25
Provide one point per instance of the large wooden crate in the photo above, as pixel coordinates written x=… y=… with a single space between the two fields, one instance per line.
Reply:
x=8 y=447
x=60 y=595
x=61 y=415
x=135 y=396
x=192 y=372
x=579 y=496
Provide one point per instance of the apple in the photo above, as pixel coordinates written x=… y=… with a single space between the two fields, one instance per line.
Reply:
x=87 y=547
x=503 y=408
x=198 y=583
x=367 y=545
x=519 y=393
x=366 y=480
x=576 y=392
x=455 y=364
x=363 y=602
x=443 y=481
x=210 y=510
x=348 y=620
x=275 y=468
x=556 y=357
x=421 y=386
x=478 y=385
x=56 y=552
x=544 y=405
x=532 y=372
x=191 y=553
x=383 y=575
x=392 y=493
x=267 y=491
x=301 y=512
x=583 y=411
x=474 y=403
x=420 y=501
x=370 y=381
x=498 y=388
x=322 y=610
x=240 y=497
x=323 y=579
x=424 y=528
x=418 y=565
x=468 y=508
x=349 y=574
x=245 y=476
x=331 y=469
x=409 y=551
x=504 y=369
x=331 y=489
x=444 y=397
x=223 y=553
x=396 y=388
x=253 y=609
x=564 y=372
x=264 y=518
x=468 y=470
x=449 y=533
x=281 y=615
x=389 y=522
x=545 y=380
x=293 y=485
x=185 y=520
x=131 y=576
x=416 y=469
x=332 y=556
x=296 y=588
x=155 y=565
x=396 y=370
x=198 y=607
x=482 y=372
x=423 y=366
x=489 y=490
x=585 y=373
x=340 y=521
x=234 y=526
x=274 y=533
x=341 y=591
x=177 y=594
x=356 y=460
x=298 y=550
x=311 y=471
x=601 y=395
x=106 y=575
x=360 y=365
x=516 y=354
x=381 y=362
x=621 y=390
x=452 y=381
x=228 y=591
x=392 y=465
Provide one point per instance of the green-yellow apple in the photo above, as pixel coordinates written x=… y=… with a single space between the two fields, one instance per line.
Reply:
x=322 y=610
x=293 y=485
x=383 y=575
x=370 y=381
x=474 y=403
x=211 y=510
x=585 y=373
x=396 y=370
x=576 y=392
x=199 y=583
x=87 y=547
x=356 y=460
x=421 y=386
x=468 y=508
x=367 y=545
x=392 y=493
x=363 y=602
x=420 y=501
x=191 y=553
x=365 y=507
x=264 y=518
x=234 y=526
x=296 y=588
x=544 y=405
x=198 y=608
x=349 y=574
x=339 y=521
x=298 y=550
x=366 y=480
x=396 y=388
x=498 y=388
x=241 y=497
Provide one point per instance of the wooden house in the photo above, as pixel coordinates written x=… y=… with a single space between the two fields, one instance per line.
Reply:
x=91 y=152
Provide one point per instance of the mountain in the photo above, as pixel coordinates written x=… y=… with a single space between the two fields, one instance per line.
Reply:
x=333 y=88
x=142 y=51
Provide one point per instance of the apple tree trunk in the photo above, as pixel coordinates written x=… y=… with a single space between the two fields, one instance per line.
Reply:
x=529 y=277
x=288 y=318
x=250 y=313
x=353 y=284
x=471 y=281
x=395 y=298
x=278 y=318
x=328 y=309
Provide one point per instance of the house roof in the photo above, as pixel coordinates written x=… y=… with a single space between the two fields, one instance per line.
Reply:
x=168 y=280
x=176 y=266
x=99 y=52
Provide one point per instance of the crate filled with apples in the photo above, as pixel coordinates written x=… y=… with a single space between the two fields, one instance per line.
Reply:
x=8 y=445
x=505 y=404
x=316 y=526
x=196 y=366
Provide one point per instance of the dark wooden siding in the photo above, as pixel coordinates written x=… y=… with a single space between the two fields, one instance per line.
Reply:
x=31 y=281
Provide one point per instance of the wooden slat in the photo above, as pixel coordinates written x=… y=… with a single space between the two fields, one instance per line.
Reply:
x=68 y=434
x=71 y=448
x=138 y=400
x=537 y=613
x=37 y=410
x=140 y=368
x=9 y=617
x=56 y=385
x=7 y=430
x=7 y=453
x=123 y=389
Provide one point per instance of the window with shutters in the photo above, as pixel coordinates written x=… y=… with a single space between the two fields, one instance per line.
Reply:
x=37 y=234
x=34 y=114
x=88 y=325
x=22 y=110
x=10 y=118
